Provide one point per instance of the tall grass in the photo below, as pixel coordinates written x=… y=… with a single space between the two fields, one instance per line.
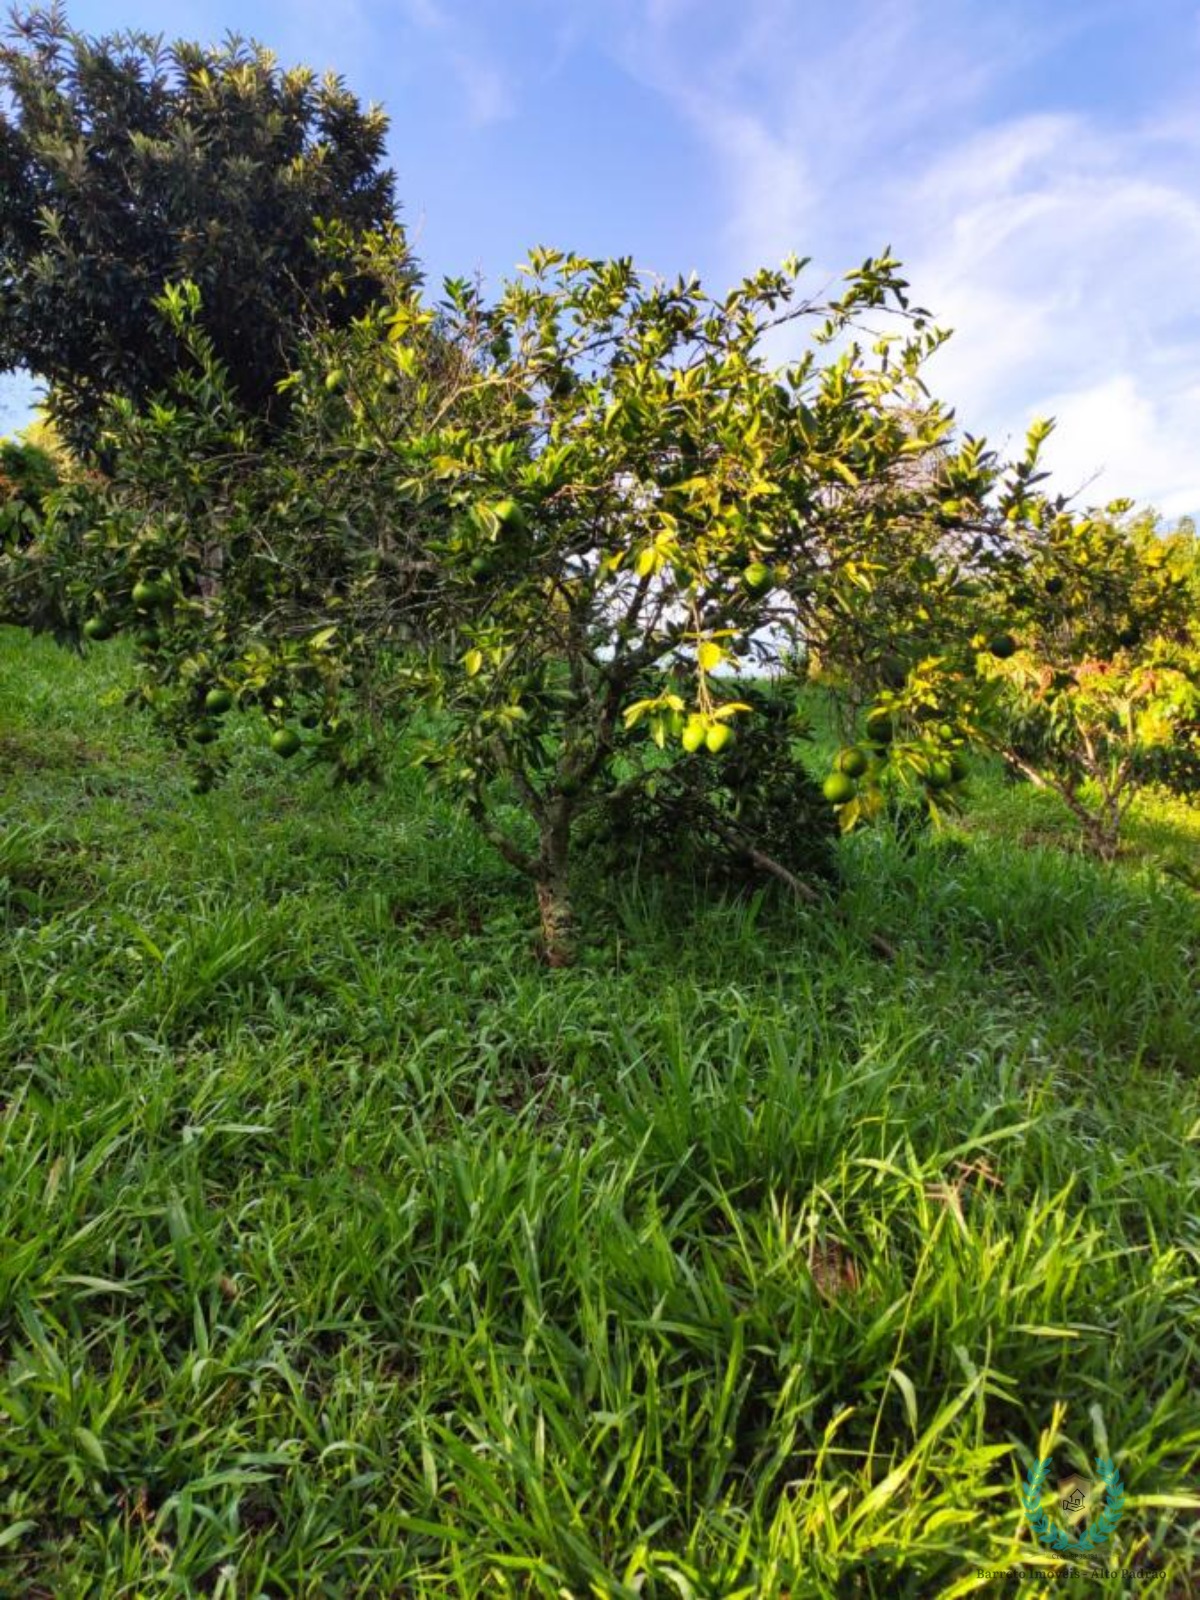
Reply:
x=347 y=1251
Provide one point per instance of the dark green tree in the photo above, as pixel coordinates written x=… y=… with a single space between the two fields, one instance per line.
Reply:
x=126 y=164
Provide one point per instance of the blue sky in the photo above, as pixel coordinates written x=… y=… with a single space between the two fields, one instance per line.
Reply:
x=1036 y=166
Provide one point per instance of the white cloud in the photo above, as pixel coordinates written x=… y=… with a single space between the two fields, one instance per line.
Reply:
x=1064 y=260
x=485 y=89
x=1118 y=438
x=1061 y=247
x=483 y=84
x=773 y=195
x=806 y=108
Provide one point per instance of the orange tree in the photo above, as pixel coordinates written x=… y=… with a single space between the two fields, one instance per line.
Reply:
x=1098 y=674
x=1174 y=763
x=28 y=473
x=576 y=526
x=917 y=683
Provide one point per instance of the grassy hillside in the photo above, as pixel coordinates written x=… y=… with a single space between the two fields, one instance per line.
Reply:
x=346 y=1251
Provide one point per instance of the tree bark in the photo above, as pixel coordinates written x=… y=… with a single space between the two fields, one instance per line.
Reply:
x=802 y=891
x=554 y=888
x=1100 y=836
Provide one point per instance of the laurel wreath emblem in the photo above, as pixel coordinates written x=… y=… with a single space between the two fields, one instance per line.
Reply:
x=1056 y=1538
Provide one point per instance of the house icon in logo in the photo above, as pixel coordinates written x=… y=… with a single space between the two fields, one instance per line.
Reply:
x=1072 y=1495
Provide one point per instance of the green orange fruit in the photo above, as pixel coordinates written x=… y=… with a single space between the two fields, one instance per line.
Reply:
x=718 y=737
x=285 y=742
x=757 y=578
x=838 y=788
x=150 y=592
x=852 y=761
x=509 y=515
x=97 y=629
x=218 y=701
x=1002 y=646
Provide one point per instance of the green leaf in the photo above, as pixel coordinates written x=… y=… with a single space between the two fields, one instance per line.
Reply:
x=906 y=1387
x=637 y=711
x=91 y=1447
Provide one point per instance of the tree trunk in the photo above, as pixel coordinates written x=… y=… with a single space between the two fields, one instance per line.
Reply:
x=1104 y=837
x=554 y=889
x=1101 y=831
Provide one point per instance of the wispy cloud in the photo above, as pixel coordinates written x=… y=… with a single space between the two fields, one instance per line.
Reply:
x=1065 y=258
x=805 y=112
x=1061 y=244
x=483 y=83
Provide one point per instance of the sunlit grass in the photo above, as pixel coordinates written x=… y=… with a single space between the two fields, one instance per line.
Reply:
x=348 y=1251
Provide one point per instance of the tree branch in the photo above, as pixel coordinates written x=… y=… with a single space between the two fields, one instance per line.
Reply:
x=802 y=891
